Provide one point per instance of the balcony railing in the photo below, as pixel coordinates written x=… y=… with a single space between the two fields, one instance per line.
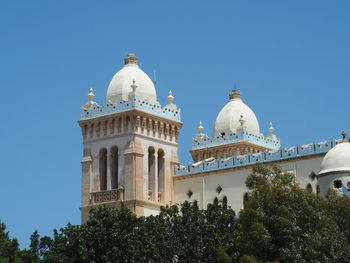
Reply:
x=150 y=196
x=118 y=195
x=107 y=196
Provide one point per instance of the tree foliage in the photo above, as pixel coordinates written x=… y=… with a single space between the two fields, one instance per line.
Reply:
x=280 y=222
x=285 y=223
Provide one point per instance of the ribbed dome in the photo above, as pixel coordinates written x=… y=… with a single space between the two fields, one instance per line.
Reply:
x=337 y=159
x=229 y=118
x=120 y=86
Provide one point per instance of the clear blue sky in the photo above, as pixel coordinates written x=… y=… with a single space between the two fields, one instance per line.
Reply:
x=290 y=60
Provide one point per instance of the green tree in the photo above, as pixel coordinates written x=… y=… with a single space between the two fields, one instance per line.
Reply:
x=338 y=208
x=9 y=251
x=67 y=245
x=110 y=235
x=202 y=235
x=282 y=222
x=32 y=255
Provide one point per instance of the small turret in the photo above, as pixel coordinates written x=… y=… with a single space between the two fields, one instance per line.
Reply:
x=271 y=130
x=90 y=103
x=242 y=127
x=200 y=136
x=171 y=105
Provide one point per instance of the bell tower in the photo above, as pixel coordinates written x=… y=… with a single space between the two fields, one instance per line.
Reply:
x=130 y=145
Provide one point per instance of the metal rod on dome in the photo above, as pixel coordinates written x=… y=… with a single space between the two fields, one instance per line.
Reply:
x=154 y=77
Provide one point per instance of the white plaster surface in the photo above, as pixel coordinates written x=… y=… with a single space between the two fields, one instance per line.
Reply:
x=232 y=182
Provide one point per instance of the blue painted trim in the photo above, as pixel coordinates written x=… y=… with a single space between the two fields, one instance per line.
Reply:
x=262 y=157
x=345 y=191
x=133 y=104
x=233 y=138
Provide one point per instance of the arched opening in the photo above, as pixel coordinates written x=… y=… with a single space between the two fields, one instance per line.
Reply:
x=103 y=169
x=161 y=175
x=114 y=167
x=120 y=124
x=112 y=126
x=309 y=187
x=127 y=123
x=98 y=129
x=151 y=173
x=92 y=129
x=85 y=131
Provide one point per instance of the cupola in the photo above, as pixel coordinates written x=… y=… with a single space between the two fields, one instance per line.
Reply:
x=233 y=114
x=120 y=86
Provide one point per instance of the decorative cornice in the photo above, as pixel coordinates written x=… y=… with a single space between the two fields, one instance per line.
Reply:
x=236 y=138
x=298 y=151
x=133 y=104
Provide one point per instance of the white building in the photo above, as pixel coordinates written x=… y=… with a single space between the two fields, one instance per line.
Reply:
x=131 y=144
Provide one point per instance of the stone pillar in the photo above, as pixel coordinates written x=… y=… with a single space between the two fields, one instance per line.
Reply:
x=86 y=165
x=133 y=168
x=108 y=169
x=152 y=174
x=173 y=162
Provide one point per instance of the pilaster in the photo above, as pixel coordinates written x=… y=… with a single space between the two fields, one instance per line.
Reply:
x=133 y=167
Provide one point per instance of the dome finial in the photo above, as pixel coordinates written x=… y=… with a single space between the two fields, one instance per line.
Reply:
x=133 y=86
x=90 y=96
x=171 y=97
x=200 y=127
x=235 y=94
x=271 y=129
x=171 y=105
x=241 y=128
x=130 y=59
x=344 y=134
x=200 y=136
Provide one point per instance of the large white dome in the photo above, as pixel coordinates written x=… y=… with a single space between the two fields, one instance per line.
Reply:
x=337 y=159
x=120 y=85
x=229 y=117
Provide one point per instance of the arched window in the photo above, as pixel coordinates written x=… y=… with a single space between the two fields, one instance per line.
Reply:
x=92 y=129
x=309 y=187
x=127 y=123
x=161 y=175
x=151 y=173
x=112 y=126
x=103 y=169
x=318 y=190
x=120 y=124
x=114 y=167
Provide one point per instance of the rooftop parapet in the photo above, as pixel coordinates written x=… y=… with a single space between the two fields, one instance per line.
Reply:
x=211 y=164
x=234 y=138
x=133 y=104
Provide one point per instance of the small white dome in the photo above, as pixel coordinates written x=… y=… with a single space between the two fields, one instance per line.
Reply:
x=230 y=116
x=337 y=159
x=120 y=86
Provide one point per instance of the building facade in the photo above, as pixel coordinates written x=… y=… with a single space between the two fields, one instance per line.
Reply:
x=130 y=151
